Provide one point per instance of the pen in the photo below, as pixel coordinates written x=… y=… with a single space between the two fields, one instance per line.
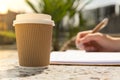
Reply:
x=100 y=26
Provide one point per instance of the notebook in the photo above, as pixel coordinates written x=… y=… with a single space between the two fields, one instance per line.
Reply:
x=80 y=57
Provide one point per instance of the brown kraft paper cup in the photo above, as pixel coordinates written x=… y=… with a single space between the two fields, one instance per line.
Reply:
x=33 y=44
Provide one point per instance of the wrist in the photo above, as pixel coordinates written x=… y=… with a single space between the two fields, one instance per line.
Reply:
x=116 y=44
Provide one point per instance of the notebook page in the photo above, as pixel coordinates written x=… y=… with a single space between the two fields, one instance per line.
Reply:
x=82 y=57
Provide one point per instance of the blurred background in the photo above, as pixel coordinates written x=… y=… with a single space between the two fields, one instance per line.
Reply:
x=70 y=16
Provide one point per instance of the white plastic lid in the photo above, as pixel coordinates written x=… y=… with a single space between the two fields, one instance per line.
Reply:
x=33 y=18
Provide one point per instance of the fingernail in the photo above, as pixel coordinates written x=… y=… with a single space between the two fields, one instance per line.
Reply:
x=80 y=46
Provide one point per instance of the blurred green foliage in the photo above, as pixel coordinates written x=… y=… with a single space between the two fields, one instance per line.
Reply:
x=7 y=37
x=58 y=9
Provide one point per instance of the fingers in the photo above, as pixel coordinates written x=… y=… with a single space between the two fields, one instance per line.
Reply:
x=80 y=46
x=90 y=49
x=80 y=35
x=92 y=46
x=88 y=41
x=92 y=37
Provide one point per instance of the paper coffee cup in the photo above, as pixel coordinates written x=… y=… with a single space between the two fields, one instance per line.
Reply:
x=34 y=37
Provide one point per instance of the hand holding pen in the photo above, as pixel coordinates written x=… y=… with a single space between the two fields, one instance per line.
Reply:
x=93 y=40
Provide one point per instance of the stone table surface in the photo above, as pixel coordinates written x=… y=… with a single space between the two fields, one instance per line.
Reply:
x=10 y=70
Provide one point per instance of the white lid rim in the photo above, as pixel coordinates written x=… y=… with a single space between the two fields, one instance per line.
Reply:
x=50 y=22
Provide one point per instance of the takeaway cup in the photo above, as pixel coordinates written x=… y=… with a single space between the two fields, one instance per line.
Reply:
x=33 y=37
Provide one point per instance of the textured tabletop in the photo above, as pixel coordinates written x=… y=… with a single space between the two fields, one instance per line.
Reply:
x=10 y=70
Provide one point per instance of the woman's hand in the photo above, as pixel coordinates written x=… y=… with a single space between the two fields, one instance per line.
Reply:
x=96 y=42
